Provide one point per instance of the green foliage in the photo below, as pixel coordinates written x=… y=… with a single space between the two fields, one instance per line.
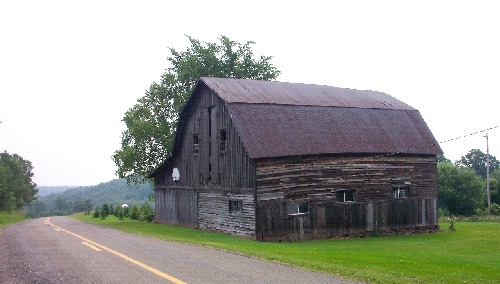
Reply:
x=460 y=190
x=135 y=212
x=151 y=123
x=119 y=212
x=147 y=213
x=495 y=209
x=126 y=212
x=81 y=199
x=7 y=218
x=16 y=186
x=96 y=213
x=477 y=161
x=495 y=187
x=445 y=257
x=105 y=210
x=442 y=159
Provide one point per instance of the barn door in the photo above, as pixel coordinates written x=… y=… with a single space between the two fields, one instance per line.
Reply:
x=182 y=208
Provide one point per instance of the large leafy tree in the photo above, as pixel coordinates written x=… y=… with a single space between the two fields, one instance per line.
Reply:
x=460 y=190
x=495 y=187
x=16 y=186
x=151 y=123
x=477 y=161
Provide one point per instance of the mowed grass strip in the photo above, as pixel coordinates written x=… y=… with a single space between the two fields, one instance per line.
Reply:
x=7 y=218
x=471 y=254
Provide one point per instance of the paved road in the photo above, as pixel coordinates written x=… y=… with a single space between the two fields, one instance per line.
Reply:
x=64 y=250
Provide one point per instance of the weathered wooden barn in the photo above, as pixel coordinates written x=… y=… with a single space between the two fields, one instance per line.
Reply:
x=283 y=162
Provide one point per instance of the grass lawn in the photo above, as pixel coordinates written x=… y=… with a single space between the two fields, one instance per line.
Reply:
x=471 y=254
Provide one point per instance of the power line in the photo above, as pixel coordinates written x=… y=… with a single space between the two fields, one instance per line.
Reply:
x=471 y=134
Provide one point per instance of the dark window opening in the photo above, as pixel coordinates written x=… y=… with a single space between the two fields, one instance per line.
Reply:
x=196 y=147
x=235 y=206
x=400 y=192
x=297 y=208
x=223 y=140
x=345 y=195
x=209 y=171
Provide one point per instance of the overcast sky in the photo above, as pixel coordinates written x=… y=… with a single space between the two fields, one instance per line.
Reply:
x=70 y=69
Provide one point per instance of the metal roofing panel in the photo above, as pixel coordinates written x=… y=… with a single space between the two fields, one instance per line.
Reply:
x=288 y=130
x=272 y=92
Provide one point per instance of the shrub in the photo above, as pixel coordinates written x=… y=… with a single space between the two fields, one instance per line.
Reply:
x=105 y=210
x=147 y=213
x=96 y=213
x=135 y=212
x=495 y=209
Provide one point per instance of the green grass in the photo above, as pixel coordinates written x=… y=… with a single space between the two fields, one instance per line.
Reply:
x=471 y=254
x=7 y=218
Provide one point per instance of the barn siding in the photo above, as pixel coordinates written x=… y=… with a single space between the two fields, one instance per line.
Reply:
x=210 y=168
x=213 y=213
x=316 y=179
x=371 y=177
x=210 y=177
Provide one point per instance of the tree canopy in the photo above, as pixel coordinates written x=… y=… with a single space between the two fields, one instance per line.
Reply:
x=151 y=123
x=460 y=190
x=477 y=161
x=16 y=186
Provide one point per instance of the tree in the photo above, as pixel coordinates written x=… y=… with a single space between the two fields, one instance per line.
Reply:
x=477 y=161
x=442 y=159
x=151 y=123
x=495 y=187
x=16 y=186
x=460 y=190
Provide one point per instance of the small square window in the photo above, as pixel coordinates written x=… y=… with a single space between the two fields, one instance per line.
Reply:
x=345 y=195
x=297 y=208
x=235 y=206
x=223 y=140
x=400 y=192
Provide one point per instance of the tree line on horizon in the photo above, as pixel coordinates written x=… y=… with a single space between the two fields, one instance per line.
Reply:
x=86 y=198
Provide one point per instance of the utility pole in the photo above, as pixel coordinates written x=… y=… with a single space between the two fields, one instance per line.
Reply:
x=488 y=174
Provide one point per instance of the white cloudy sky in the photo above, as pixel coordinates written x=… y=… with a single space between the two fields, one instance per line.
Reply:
x=70 y=69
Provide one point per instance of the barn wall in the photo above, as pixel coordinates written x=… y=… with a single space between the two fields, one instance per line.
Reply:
x=213 y=213
x=345 y=219
x=210 y=167
x=209 y=175
x=316 y=179
x=176 y=207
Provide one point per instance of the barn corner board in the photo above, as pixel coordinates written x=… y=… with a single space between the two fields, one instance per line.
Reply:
x=279 y=161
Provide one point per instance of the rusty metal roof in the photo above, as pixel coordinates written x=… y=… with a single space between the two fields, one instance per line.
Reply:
x=277 y=119
x=278 y=130
x=272 y=92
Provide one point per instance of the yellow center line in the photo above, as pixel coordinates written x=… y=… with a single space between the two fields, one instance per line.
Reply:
x=138 y=263
x=91 y=246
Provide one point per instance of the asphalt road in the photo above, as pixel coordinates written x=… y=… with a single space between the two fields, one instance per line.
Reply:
x=64 y=250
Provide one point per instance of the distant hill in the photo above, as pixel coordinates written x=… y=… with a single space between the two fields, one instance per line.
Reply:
x=116 y=191
x=46 y=190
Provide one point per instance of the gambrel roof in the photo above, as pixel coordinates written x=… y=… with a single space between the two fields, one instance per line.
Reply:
x=275 y=119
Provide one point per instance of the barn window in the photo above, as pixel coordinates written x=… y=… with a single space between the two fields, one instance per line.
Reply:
x=345 y=195
x=196 y=148
x=223 y=140
x=297 y=208
x=400 y=192
x=235 y=206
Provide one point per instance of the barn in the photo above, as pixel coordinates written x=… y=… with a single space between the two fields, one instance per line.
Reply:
x=276 y=161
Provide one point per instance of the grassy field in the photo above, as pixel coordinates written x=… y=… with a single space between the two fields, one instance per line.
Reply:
x=10 y=218
x=471 y=254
